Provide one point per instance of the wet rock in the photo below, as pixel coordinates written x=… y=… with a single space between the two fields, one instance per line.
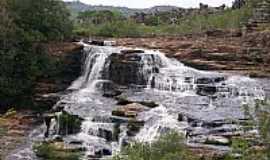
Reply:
x=217 y=140
x=47 y=120
x=126 y=69
x=103 y=152
x=209 y=80
x=129 y=111
x=131 y=51
x=150 y=104
x=122 y=101
x=116 y=132
x=105 y=133
x=111 y=93
x=120 y=120
x=206 y=90
x=101 y=43
x=134 y=127
x=95 y=42
x=57 y=138
x=181 y=117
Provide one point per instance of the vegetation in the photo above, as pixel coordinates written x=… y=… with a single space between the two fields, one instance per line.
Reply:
x=158 y=24
x=54 y=151
x=24 y=27
x=169 y=147
x=250 y=148
x=172 y=147
x=68 y=124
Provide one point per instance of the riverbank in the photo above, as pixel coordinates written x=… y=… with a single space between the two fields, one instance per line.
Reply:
x=15 y=128
x=17 y=124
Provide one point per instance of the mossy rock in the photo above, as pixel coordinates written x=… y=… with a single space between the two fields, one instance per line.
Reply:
x=56 y=151
x=122 y=100
x=69 y=124
x=150 y=104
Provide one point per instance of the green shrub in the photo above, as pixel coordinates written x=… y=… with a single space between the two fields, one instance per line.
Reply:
x=168 y=147
x=245 y=147
x=49 y=151
x=69 y=124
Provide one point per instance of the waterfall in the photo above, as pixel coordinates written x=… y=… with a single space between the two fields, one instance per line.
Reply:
x=94 y=63
x=201 y=97
x=158 y=121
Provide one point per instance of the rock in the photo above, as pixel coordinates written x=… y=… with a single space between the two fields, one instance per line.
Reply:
x=122 y=101
x=206 y=90
x=57 y=138
x=112 y=93
x=116 y=132
x=118 y=119
x=47 y=120
x=103 y=152
x=181 y=117
x=134 y=127
x=126 y=69
x=131 y=51
x=209 y=80
x=129 y=110
x=106 y=134
x=95 y=42
x=217 y=140
x=150 y=104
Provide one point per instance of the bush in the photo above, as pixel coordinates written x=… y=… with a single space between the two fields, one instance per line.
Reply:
x=25 y=24
x=49 y=151
x=244 y=148
x=68 y=124
x=169 y=147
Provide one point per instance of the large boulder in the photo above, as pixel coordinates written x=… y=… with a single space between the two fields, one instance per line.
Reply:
x=129 y=110
x=129 y=67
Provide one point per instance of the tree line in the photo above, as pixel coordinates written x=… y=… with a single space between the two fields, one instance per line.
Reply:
x=24 y=26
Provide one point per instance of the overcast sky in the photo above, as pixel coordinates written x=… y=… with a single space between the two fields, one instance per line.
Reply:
x=151 y=3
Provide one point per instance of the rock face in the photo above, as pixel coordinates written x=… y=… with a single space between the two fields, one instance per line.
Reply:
x=70 y=57
x=129 y=67
x=247 y=53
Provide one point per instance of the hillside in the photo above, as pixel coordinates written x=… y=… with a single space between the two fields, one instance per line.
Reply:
x=77 y=6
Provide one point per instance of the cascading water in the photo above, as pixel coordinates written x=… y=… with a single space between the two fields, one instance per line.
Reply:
x=194 y=103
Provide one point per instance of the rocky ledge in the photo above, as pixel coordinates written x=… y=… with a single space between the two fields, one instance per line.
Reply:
x=14 y=129
x=214 y=50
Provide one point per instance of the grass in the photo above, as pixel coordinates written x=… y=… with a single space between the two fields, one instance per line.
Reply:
x=229 y=19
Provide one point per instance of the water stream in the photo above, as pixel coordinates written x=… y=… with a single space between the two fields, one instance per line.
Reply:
x=195 y=103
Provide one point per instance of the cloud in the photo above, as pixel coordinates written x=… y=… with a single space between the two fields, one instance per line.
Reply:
x=151 y=3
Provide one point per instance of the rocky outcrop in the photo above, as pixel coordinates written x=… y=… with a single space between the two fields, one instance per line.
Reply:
x=69 y=56
x=219 y=50
x=127 y=68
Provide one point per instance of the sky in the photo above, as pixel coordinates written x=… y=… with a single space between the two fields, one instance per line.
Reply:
x=151 y=3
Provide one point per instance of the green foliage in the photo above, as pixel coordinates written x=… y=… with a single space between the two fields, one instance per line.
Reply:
x=42 y=20
x=24 y=24
x=159 y=25
x=68 y=124
x=99 y=17
x=244 y=148
x=49 y=151
x=167 y=147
